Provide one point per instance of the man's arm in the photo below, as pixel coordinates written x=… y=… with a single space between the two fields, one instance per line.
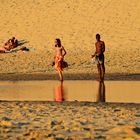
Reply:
x=103 y=47
x=94 y=53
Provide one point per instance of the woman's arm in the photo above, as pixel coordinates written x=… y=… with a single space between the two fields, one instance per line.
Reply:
x=64 y=51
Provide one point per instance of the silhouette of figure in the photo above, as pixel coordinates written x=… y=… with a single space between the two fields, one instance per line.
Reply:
x=59 y=92
x=99 y=57
x=59 y=58
x=101 y=92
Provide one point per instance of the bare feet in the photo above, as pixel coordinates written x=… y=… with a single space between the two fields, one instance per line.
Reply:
x=61 y=79
x=98 y=79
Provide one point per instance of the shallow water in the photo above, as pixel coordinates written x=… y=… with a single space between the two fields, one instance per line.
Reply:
x=108 y=91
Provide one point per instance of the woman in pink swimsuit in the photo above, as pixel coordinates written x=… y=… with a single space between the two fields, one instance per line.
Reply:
x=60 y=53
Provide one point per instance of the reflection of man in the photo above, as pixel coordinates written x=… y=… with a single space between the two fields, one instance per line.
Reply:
x=99 y=56
x=101 y=92
x=59 y=94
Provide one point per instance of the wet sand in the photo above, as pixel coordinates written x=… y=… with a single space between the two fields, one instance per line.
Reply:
x=67 y=76
x=69 y=120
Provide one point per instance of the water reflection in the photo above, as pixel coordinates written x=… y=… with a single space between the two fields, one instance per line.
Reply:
x=101 y=92
x=107 y=91
x=59 y=92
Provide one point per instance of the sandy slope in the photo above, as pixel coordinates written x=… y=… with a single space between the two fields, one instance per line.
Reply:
x=76 y=22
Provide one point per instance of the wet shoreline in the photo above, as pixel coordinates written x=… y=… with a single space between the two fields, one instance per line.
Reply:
x=76 y=103
x=71 y=90
x=68 y=76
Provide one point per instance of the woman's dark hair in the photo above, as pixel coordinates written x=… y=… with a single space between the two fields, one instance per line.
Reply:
x=58 y=42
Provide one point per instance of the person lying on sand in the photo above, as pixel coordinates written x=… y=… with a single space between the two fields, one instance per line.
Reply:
x=2 y=50
x=12 y=43
x=99 y=57
x=9 y=45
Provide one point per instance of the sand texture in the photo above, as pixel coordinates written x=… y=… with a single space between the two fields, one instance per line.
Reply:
x=69 y=120
x=39 y=22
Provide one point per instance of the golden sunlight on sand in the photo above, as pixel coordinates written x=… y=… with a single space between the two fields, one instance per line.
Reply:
x=39 y=22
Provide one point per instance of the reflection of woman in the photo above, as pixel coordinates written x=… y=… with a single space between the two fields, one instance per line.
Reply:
x=101 y=92
x=59 y=93
x=59 y=63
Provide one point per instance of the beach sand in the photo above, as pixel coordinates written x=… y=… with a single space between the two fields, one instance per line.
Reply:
x=39 y=22
x=69 y=120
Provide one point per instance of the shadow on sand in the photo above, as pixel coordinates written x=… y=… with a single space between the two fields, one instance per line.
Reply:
x=22 y=42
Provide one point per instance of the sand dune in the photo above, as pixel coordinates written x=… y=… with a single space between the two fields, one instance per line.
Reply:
x=76 y=23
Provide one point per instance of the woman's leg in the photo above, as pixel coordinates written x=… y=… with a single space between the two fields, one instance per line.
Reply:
x=60 y=75
x=61 y=68
x=2 y=50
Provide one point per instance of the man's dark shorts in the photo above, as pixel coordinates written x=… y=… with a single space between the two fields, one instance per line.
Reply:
x=100 y=59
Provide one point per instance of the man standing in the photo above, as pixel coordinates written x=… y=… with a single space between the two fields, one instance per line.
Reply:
x=99 y=57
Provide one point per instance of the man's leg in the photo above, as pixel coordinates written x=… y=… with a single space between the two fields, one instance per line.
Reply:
x=102 y=71
x=99 y=71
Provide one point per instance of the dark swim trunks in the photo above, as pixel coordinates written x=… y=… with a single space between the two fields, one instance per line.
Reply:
x=100 y=59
